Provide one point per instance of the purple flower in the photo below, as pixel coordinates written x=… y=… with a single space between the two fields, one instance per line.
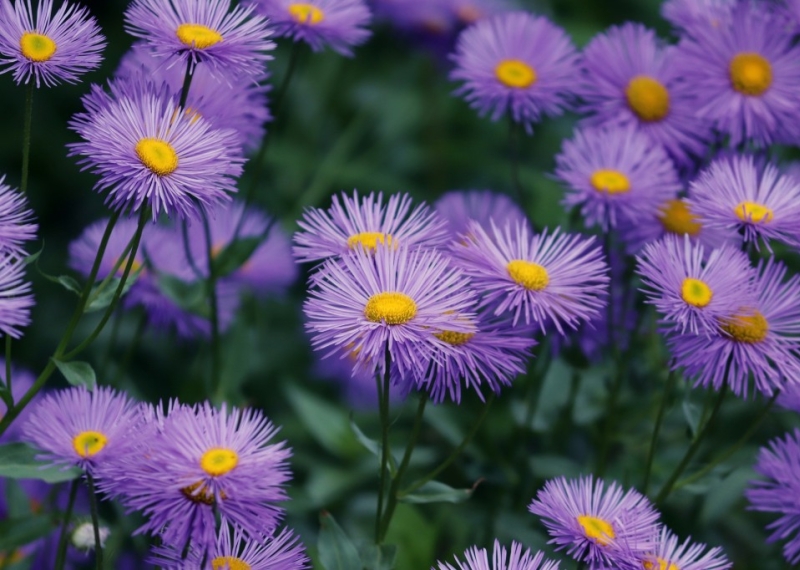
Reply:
x=790 y=398
x=83 y=250
x=231 y=41
x=779 y=464
x=557 y=278
x=615 y=174
x=736 y=196
x=668 y=553
x=16 y=221
x=49 y=48
x=340 y=24
x=596 y=524
x=16 y=298
x=458 y=208
x=21 y=381
x=697 y=16
x=150 y=154
x=517 y=559
x=516 y=63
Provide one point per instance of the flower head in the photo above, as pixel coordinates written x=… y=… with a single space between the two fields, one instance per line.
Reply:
x=458 y=208
x=16 y=298
x=16 y=221
x=669 y=553
x=697 y=16
x=21 y=381
x=517 y=559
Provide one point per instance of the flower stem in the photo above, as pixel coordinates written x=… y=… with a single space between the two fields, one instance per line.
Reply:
x=26 y=137
x=216 y=354
x=98 y=548
x=8 y=368
x=187 y=82
x=383 y=408
x=662 y=408
x=61 y=556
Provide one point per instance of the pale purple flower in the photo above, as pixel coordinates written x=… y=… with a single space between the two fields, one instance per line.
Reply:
x=16 y=299
x=669 y=553
x=459 y=207
x=17 y=224
x=502 y=559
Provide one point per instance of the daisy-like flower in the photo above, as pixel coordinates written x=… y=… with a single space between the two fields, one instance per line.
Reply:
x=694 y=290
x=363 y=222
x=516 y=63
x=761 y=340
x=734 y=195
x=746 y=74
x=84 y=249
x=150 y=154
x=16 y=221
x=340 y=24
x=631 y=79
x=48 y=48
x=82 y=428
x=558 y=279
x=669 y=553
x=597 y=524
x=458 y=208
x=615 y=174
x=517 y=559
x=698 y=16
x=779 y=491
x=391 y=299
x=16 y=298
x=231 y=40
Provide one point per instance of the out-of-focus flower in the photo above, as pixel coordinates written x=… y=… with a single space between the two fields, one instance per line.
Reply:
x=458 y=208
x=16 y=221
x=668 y=553
x=517 y=559
x=16 y=298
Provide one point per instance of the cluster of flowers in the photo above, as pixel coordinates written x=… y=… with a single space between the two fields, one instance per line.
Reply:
x=17 y=227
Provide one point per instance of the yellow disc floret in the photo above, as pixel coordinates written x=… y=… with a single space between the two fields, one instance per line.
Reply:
x=750 y=73
x=391 y=307
x=231 y=563
x=454 y=338
x=597 y=529
x=530 y=275
x=610 y=181
x=753 y=212
x=648 y=98
x=197 y=36
x=198 y=493
x=696 y=292
x=659 y=564
x=305 y=13
x=369 y=240
x=515 y=73
x=676 y=218
x=37 y=47
x=89 y=443
x=157 y=155
x=219 y=460
x=751 y=327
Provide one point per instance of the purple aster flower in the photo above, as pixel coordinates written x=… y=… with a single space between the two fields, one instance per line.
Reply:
x=596 y=524
x=516 y=63
x=697 y=16
x=631 y=79
x=694 y=290
x=668 y=553
x=16 y=221
x=339 y=24
x=779 y=464
x=16 y=298
x=790 y=398
x=48 y=48
x=517 y=559
x=735 y=196
x=230 y=40
x=746 y=74
x=761 y=340
x=82 y=428
x=390 y=299
x=83 y=250
x=557 y=278
x=615 y=174
x=458 y=208
x=362 y=222
x=21 y=381
x=150 y=154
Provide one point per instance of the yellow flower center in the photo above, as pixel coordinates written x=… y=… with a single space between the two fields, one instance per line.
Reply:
x=369 y=240
x=157 y=155
x=89 y=443
x=597 y=529
x=610 y=181
x=515 y=73
x=648 y=98
x=696 y=293
x=390 y=307
x=305 y=13
x=751 y=73
x=676 y=218
x=753 y=212
x=16 y=556
x=454 y=338
x=198 y=493
x=219 y=460
x=530 y=275
x=662 y=565
x=197 y=36
x=749 y=328
x=37 y=47
x=232 y=563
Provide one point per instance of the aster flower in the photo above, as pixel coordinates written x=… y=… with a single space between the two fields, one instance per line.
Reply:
x=82 y=428
x=150 y=154
x=735 y=196
x=48 y=48
x=668 y=553
x=339 y=24
x=390 y=299
x=558 y=278
x=362 y=222
x=697 y=16
x=779 y=464
x=761 y=340
x=615 y=174
x=596 y=524
x=459 y=207
x=694 y=291
x=16 y=298
x=16 y=221
x=516 y=63
x=230 y=40
x=746 y=74
x=83 y=250
x=517 y=559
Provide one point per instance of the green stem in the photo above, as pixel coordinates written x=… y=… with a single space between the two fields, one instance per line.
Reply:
x=187 y=82
x=26 y=137
x=8 y=369
x=383 y=407
x=98 y=548
x=187 y=251
x=662 y=408
x=61 y=556
x=216 y=355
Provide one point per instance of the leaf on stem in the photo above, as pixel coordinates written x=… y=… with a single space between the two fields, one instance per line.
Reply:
x=16 y=532
x=77 y=373
x=371 y=445
x=18 y=461
x=191 y=297
x=103 y=300
x=328 y=424
x=436 y=492
x=378 y=557
x=336 y=550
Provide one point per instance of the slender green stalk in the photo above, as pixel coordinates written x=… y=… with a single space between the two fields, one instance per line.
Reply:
x=26 y=137
x=662 y=408
x=216 y=353
x=187 y=82
x=132 y=346
x=383 y=407
x=98 y=547
x=8 y=369
x=187 y=251
x=112 y=342
x=61 y=556
x=535 y=390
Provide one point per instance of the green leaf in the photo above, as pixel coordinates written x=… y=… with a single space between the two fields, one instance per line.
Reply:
x=18 y=532
x=65 y=281
x=18 y=461
x=327 y=423
x=436 y=492
x=77 y=373
x=103 y=300
x=32 y=258
x=336 y=550
x=234 y=255
x=190 y=297
x=691 y=412
x=375 y=557
x=371 y=445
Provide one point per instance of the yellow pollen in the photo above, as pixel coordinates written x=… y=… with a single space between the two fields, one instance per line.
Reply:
x=219 y=460
x=305 y=13
x=597 y=529
x=454 y=338
x=750 y=328
x=390 y=307
x=157 y=155
x=648 y=98
x=231 y=563
x=610 y=181
x=515 y=73
x=198 y=493
x=751 y=73
x=469 y=14
x=197 y=36
x=89 y=443
x=662 y=565
x=676 y=218
x=530 y=275
x=370 y=240
x=135 y=266
x=753 y=212
x=37 y=47
x=696 y=293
